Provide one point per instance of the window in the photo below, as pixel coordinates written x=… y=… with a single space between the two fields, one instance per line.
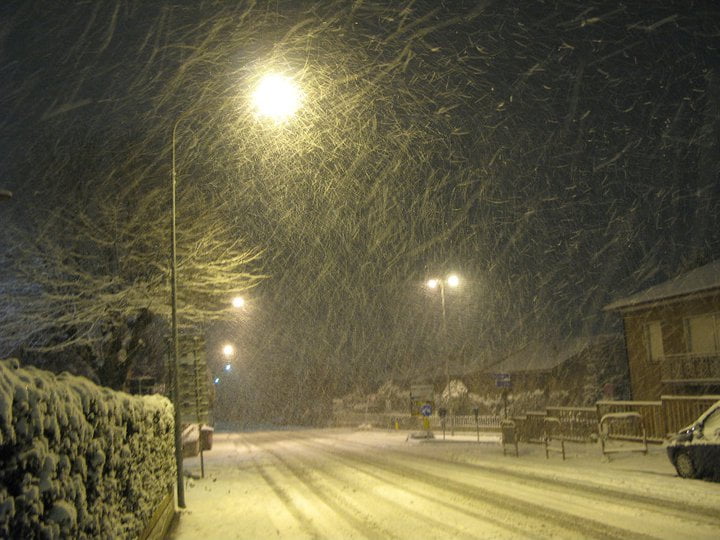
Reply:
x=653 y=341
x=702 y=333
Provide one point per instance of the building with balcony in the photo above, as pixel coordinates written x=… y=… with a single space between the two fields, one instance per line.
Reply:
x=672 y=333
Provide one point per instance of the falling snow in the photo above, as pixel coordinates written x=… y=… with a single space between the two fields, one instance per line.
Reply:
x=556 y=155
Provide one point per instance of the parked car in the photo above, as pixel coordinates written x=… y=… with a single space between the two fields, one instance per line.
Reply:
x=695 y=450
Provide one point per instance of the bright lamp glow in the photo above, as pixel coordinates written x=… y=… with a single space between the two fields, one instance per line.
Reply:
x=453 y=280
x=228 y=350
x=238 y=302
x=227 y=367
x=433 y=283
x=277 y=97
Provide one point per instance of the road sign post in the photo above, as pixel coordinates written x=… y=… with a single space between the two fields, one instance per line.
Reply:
x=442 y=412
x=426 y=411
x=504 y=381
x=420 y=395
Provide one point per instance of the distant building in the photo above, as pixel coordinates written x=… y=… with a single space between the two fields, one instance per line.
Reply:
x=586 y=369
x=672 y=333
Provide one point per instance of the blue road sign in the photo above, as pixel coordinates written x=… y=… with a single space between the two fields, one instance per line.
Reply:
x=502 y=380
x=426 y=410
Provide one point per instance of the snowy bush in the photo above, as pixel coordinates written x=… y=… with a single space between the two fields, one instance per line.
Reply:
x=79 y=460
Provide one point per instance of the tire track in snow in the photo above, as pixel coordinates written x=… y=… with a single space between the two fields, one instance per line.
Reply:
x=366 y=527
x=573 y=524
x=442 y=526
x=423 y=494
x=707 y=515
x=303 y=521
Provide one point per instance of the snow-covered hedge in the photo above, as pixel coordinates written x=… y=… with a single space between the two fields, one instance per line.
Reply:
x=78 y=460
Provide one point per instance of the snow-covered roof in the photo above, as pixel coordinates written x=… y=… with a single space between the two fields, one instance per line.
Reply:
x=702 y=279
x=545 y=355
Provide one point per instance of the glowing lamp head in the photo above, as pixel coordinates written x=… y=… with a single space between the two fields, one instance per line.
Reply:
x=238 y=302
x=277 y=97
x=432 y=283
x=453 y=280
x=228 y=350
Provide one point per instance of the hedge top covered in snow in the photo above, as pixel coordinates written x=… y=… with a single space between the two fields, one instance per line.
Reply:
x=79 y=460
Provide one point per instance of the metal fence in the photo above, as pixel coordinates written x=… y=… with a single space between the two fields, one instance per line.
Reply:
x=680 y=411
x=579 y=424
x=391 y=420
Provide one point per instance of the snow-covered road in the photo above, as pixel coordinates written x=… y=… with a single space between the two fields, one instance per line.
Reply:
x=345 y=484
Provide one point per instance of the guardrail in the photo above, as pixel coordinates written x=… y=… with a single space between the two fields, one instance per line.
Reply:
x=650 y=412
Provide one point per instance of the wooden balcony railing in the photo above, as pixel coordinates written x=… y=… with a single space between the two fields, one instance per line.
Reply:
x=690 y=367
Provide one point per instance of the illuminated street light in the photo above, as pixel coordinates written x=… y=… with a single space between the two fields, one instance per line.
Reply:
x=228 y=350
x=228 y=367
x=216 y=380
x=238 y=302
x=278 y=98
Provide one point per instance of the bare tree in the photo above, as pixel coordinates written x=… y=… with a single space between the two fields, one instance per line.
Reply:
x=83 y=276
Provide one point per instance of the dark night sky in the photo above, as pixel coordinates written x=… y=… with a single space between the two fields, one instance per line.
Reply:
x=556 y=154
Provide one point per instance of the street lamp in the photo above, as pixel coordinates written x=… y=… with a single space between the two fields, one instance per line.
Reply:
x=5 y=194
x=434 y=283
x=278 y=98
x=238 y=302
x=228 y=350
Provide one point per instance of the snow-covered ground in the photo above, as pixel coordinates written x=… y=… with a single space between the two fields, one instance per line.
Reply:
x=380 y=484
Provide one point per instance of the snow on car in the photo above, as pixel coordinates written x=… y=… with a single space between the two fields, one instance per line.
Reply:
x=695 y=450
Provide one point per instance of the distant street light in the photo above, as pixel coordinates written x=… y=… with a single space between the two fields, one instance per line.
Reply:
x=451 y=281
x=228 y=350
x=238 y=302
x=277 y=97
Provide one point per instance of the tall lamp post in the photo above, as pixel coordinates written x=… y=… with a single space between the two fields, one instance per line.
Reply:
x=278 y=98
x=436 y=283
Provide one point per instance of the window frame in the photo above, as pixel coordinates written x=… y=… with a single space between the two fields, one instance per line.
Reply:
x=715 y=316
x=648 y=341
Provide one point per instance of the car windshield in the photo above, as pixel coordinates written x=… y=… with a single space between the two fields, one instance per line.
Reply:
x=711 y=426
